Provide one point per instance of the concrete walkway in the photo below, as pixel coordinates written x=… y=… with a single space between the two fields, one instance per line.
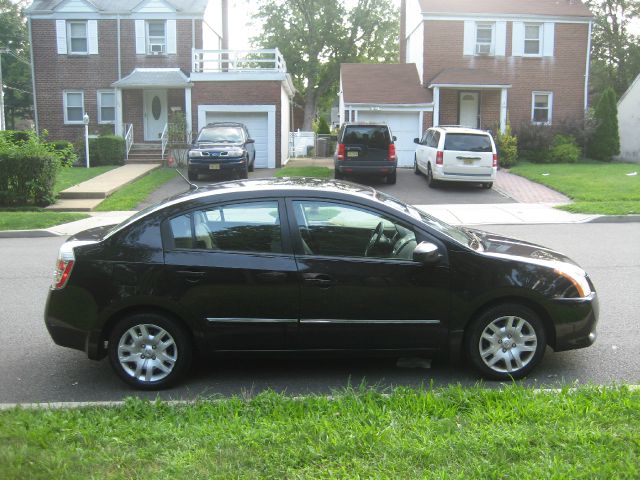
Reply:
x=86 y=196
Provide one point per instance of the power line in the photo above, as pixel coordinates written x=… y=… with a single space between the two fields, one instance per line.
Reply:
x=18 y=90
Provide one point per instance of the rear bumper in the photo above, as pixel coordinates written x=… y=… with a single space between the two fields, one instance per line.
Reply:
x=388 y=168
x=439 y=174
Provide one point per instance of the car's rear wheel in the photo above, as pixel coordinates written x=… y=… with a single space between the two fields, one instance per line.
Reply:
x=416 y=170
x=430 y=180
x=506 y=341
x=149 y=351
x=487 y=185
x=252 y=165
x=338 y=176
x=391 y=178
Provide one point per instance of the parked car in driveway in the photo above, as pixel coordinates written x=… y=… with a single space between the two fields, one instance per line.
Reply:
x=456 y=154
x=366 y=149
x=309 y=265
x=222 y=148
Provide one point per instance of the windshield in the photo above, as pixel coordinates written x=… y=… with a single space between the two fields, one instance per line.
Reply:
x=460 y=235
x=467 y=142
x=221 y=135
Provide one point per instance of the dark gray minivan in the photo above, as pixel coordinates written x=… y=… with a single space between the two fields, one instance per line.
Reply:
x=366 y=149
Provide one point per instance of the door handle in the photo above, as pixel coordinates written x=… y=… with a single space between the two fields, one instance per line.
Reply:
x=318 y=280
x=191 y=276
x=271 y=277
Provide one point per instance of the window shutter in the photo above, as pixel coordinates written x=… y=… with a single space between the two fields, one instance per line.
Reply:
x=548 y=39
x=61 y=36
x=141 y=47
x=469 y=45
x=92 y=33
x=171 y=37
x=501 y=38
x=517 y=41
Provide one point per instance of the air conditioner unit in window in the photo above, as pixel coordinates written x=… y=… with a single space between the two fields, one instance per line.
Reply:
x=156 y=48
x=483 y=49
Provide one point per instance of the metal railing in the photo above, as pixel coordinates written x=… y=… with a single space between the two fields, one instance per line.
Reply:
x=269 y=60
x=164 y=138
x=128 y=138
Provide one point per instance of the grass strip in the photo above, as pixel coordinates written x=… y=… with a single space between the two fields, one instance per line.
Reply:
x=29 y=220
x=129 y=196
x=454 y=432
x=68 y=177
x=317 y=172
x=595 y=187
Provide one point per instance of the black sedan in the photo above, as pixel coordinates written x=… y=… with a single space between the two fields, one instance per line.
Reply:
x=306 y=265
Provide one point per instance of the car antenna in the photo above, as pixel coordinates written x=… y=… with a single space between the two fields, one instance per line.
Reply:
x=192 y=186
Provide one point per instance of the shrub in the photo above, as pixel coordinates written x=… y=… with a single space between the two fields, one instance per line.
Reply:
x=323 y=127
x=28 y=172
x=65 y=151
x=564 y=150
x=507 y=145
x=105 y=150
x=534 y=142
x=15 y=136
x=605 y=142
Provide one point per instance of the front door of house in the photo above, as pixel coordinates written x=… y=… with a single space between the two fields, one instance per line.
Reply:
x=155 y=114
x=469 y=103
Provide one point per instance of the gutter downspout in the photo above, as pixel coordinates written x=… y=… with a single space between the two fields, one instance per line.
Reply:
x=586 y=74
x=33 y=80
x=118 y=40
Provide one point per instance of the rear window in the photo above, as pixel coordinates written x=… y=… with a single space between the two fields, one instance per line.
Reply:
x=467 y=142
x=374 y=136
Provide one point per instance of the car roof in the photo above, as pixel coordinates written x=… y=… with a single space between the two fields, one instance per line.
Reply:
x=456 y=129
x=366 y=124
x=223 y=124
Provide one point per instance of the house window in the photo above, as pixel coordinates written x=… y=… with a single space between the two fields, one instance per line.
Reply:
x=106 y=106
x=484 y=38
x=156 y=37
x=541 y=107
x=77 y=38
x=73 y=106
x=532 y=39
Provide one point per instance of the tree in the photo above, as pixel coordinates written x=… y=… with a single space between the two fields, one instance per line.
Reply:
x=615 y=52
x=605 y=142
x=316 y=36
x=16 y=71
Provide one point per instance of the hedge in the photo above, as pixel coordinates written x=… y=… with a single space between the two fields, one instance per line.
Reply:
x=103 y=150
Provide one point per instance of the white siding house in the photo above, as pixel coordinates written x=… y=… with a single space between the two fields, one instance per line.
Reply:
x=629 y=123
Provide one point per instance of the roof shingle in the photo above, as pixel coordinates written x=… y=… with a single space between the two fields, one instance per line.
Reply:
x=378 y=83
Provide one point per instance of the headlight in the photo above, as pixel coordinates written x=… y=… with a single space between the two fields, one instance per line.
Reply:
x=576 y=277
x=195 y=153
x=235 y=152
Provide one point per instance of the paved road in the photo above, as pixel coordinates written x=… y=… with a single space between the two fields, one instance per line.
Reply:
x=33 y=369
x=410 y=188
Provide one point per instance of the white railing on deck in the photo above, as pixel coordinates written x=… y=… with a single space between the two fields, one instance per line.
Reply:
x=266 y=60
x=128 y=138
x=164 y=138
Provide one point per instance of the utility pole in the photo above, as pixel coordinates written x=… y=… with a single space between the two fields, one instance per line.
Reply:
x=2 y=123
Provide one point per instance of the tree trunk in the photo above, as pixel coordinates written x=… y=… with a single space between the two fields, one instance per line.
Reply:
x=310 y=98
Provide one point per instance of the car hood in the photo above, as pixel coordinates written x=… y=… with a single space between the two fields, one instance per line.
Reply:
x=216 y=147
x=92 y=234
x=499 y=245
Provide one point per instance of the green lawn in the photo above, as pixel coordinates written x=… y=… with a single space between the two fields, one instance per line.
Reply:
x=456 y=432
x=128 y=197
x=318 y=172
x=595 y=187
x=28 y=220
x=68 y=177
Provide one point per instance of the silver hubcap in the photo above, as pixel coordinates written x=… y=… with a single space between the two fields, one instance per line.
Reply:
x=508 y=344
x=147 y=352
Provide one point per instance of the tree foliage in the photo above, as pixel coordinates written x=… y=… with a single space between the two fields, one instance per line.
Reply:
x=615 y=51
x=605 y=142
x=16 y=74
x=316 y=36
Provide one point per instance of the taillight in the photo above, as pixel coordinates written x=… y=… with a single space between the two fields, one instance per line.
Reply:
x=341 y=151
x=439 y=157
x=64 y=264
x=392 y=152
x=495 y=159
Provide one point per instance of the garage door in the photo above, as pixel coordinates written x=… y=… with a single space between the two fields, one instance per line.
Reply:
x=257 y=125
x=405 y=127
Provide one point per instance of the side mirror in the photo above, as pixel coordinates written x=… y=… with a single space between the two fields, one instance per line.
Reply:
x=426 y=253
x=394 y=138
x=416 y=140
x=250 y=140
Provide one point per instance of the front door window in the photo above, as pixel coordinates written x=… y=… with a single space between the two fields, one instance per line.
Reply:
x=469 y=103
x=155 y=114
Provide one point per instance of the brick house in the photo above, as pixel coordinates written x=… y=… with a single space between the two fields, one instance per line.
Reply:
x=128 y=65
x=480 y=63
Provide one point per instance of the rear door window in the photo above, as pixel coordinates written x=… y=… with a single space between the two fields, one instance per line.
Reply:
x=467 y=142
x=371 y=136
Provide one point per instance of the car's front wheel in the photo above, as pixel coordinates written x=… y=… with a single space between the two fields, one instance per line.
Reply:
x=506 y=341
x=149 y=351
x=253 y=163
x=487 y=185
x=416 y=169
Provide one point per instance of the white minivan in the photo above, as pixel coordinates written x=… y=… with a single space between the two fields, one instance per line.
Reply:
x=456 y=154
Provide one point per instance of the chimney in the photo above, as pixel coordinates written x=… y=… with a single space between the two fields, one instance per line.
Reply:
x=225 y=25
x=403 y=31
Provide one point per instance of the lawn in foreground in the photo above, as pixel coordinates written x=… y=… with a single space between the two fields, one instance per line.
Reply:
x=128 y=197
x=455 y=432
x=317 y=172
x=595 y=187
x=35 y=219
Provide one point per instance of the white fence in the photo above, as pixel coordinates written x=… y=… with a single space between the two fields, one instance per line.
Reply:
x=310 y=144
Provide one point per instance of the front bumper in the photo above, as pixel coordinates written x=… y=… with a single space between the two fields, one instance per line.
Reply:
x=575 y=322
x=227 y=165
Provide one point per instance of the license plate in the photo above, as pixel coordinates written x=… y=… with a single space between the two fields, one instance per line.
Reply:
x=214 y=166
x=468 y=161
x=352 y=154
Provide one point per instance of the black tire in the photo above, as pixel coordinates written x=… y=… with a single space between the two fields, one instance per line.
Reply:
x=528 y=342
x=338 y=176
x=391 y=178
x=245 y=173
x=177 y=355
x=487 y=185
x=416 y=170
x=253 y=163
x=192 y=176
x=430 y=180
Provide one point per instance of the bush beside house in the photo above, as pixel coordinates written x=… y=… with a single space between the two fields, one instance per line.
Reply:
x=507 y=145
x=605 y=142
x=103 y=150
